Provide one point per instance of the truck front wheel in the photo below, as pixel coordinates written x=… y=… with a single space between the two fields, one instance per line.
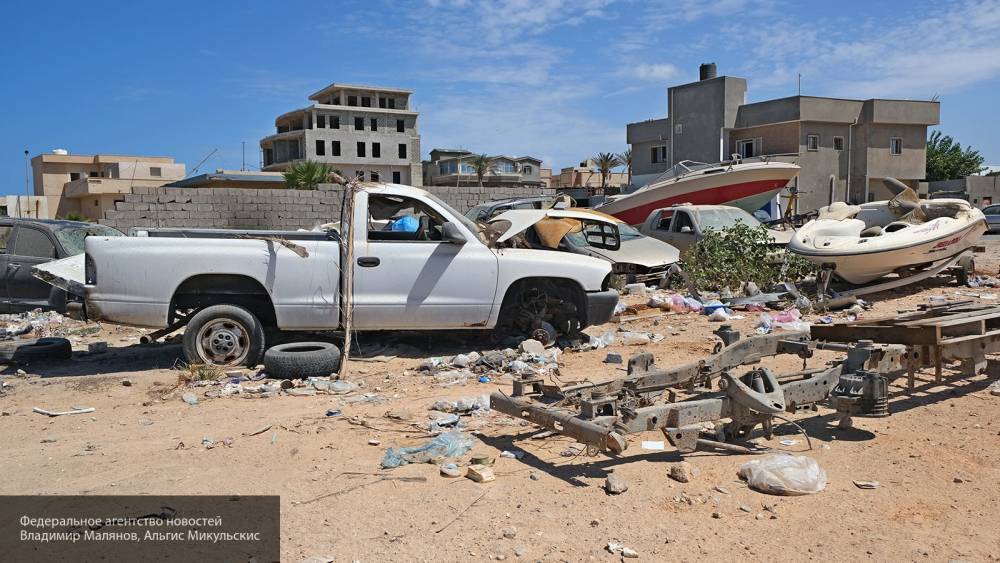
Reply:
x=224 y=335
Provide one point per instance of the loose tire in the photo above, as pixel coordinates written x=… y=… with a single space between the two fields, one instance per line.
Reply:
x=224 y=335
x=44 y=349
x=299 y=360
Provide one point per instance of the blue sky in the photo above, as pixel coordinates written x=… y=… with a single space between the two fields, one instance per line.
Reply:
x=557 y=79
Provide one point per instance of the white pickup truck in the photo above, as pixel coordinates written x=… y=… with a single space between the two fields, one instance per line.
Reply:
x=419 y=265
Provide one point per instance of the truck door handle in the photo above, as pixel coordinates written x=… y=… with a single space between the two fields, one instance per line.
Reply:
x=368 y=261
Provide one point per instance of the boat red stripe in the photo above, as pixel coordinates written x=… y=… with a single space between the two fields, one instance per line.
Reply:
x=713 y=196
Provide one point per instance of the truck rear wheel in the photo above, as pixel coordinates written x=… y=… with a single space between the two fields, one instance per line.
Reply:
x=224 y=335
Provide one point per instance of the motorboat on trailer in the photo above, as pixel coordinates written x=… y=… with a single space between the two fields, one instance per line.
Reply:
x=747 y=185
x=866 y=242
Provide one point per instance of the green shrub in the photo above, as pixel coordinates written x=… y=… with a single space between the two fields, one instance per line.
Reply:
x=738 y=254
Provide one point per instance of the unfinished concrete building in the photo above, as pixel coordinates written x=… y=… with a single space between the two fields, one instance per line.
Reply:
x=362 y=131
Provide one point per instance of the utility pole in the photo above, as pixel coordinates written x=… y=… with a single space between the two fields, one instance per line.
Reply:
x=800 y=83
x=243 y=166
x=27 y=187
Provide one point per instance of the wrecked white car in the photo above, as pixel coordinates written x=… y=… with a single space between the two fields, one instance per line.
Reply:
x=418 y=265
x=582 y=231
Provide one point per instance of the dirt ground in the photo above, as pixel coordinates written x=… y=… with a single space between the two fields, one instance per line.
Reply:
x=937 y=459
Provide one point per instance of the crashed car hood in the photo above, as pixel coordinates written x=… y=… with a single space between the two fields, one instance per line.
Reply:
x=644 y=251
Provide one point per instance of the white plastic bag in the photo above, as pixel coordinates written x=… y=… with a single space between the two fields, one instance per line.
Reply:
x=784 y=474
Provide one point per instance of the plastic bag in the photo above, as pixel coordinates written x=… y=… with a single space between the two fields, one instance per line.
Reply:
x=788 y=316
x=784 y=474
x=635 y=338
x=449 y=444
x=764 y=324
x=719 y=315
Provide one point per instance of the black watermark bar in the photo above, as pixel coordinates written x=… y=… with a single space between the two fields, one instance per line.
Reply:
x=140 y=528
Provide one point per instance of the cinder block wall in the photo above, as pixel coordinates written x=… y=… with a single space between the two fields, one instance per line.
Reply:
x=238 y=208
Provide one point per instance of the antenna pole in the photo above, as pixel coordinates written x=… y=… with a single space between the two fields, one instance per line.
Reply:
x=27 y=187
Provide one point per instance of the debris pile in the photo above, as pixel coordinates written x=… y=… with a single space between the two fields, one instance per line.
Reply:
x=530 y=357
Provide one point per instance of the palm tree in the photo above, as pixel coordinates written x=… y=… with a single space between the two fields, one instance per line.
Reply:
x=483 y=165
x=307 y=175
x=606 y=162
x=626 y=159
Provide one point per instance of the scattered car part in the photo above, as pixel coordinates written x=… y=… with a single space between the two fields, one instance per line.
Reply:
x=299 y=360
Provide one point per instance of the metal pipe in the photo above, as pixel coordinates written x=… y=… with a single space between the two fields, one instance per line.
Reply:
x=850 y=149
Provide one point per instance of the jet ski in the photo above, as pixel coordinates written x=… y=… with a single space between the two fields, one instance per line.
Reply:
x=868 y=241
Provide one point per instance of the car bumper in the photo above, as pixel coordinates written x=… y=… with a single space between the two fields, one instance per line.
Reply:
x=601 y=306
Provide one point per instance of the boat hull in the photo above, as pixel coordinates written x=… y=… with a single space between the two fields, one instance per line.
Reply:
x=747 y=188
x=863 y=267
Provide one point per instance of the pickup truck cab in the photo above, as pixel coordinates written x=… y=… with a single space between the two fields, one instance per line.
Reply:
x=418 y=265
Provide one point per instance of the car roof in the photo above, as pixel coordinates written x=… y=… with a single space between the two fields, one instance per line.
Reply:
x=55 y=223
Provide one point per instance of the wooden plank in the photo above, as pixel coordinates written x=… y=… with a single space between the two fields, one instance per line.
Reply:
x=913 y=336
x=953 y=319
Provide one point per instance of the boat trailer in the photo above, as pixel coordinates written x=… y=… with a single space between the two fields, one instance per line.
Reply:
x=728 y=387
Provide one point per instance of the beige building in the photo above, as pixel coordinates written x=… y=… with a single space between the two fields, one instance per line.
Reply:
x=362 y=131
x=89 y=185
x=233 y=179
x=453 y=167
x=587 y=175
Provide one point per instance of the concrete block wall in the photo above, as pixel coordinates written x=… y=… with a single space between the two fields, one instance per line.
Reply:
x=238 y=208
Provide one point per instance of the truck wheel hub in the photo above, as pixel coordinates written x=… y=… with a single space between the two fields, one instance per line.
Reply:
x=223 y=342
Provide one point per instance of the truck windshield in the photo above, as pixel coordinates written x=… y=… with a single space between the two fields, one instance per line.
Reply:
x=469 y=224
x=72 y=238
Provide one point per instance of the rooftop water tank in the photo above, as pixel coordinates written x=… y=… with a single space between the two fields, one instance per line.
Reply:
x=706 y=71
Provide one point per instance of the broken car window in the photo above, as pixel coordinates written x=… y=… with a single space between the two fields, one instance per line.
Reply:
x=71 y=238
x=397 y=218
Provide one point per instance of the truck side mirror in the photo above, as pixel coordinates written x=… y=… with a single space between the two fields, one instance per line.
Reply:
x=686 y=229
x=450 y=233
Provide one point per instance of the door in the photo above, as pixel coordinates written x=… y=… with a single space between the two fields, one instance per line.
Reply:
x=682 y=231
x=407 y=277
x=6 y=230
x=32 y=246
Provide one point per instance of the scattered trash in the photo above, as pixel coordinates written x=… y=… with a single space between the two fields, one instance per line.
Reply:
x=189 y=398
x=636 y=289
x=606 y=338
x=260 y=430
x=333 y=412
x=450 y=470
x=510 y=532
x=825 y=320
x=465 y=405
x=719 y=315
x=620 y=308
x=443 y=423
x=995 y=388
x=374 y=442
x=512 y=455
x=448 y=444
x=615 y=485
x=789 y=442
x=532 y=347
x=655 y=445
x=764 y=324
x=613 y=358
x=480 y=473
x=126 y=382
x=622 y=550
x=484 y=379
x=74 y=410
x=782 y=474
x=867 y=484
x=635 y=338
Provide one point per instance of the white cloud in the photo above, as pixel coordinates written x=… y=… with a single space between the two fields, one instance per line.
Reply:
x=657 y=72
x=947 y=48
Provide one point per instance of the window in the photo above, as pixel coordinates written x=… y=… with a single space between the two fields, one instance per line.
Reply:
x=658 y=154
x=895 y=145
x=94 y=174
x=373 y=124
x=663 y=223
x=335 y=101
x=335 y=148
x=381 y=103
x=526 y=169
x=812 y=142
x=373 y=175
x=392 y=103
x=33 y=243
x=376 y=150
x=366 y=102
x=682 y=221
x=361 y=148
x=397 y=219
x=334 y=122
x=73 y=176
x=321 y=122
x=359 y=124
x=396 y=177
x=402 y=150
x=359 y=174
x=838 y=143
x=748 y=148
x=4 y=237
x=400 y=126
x=352 y=100
x=155 y=171
x=95 y=203
x=320 y=147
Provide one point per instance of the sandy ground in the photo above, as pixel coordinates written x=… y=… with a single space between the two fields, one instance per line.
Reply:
x=936 y=459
